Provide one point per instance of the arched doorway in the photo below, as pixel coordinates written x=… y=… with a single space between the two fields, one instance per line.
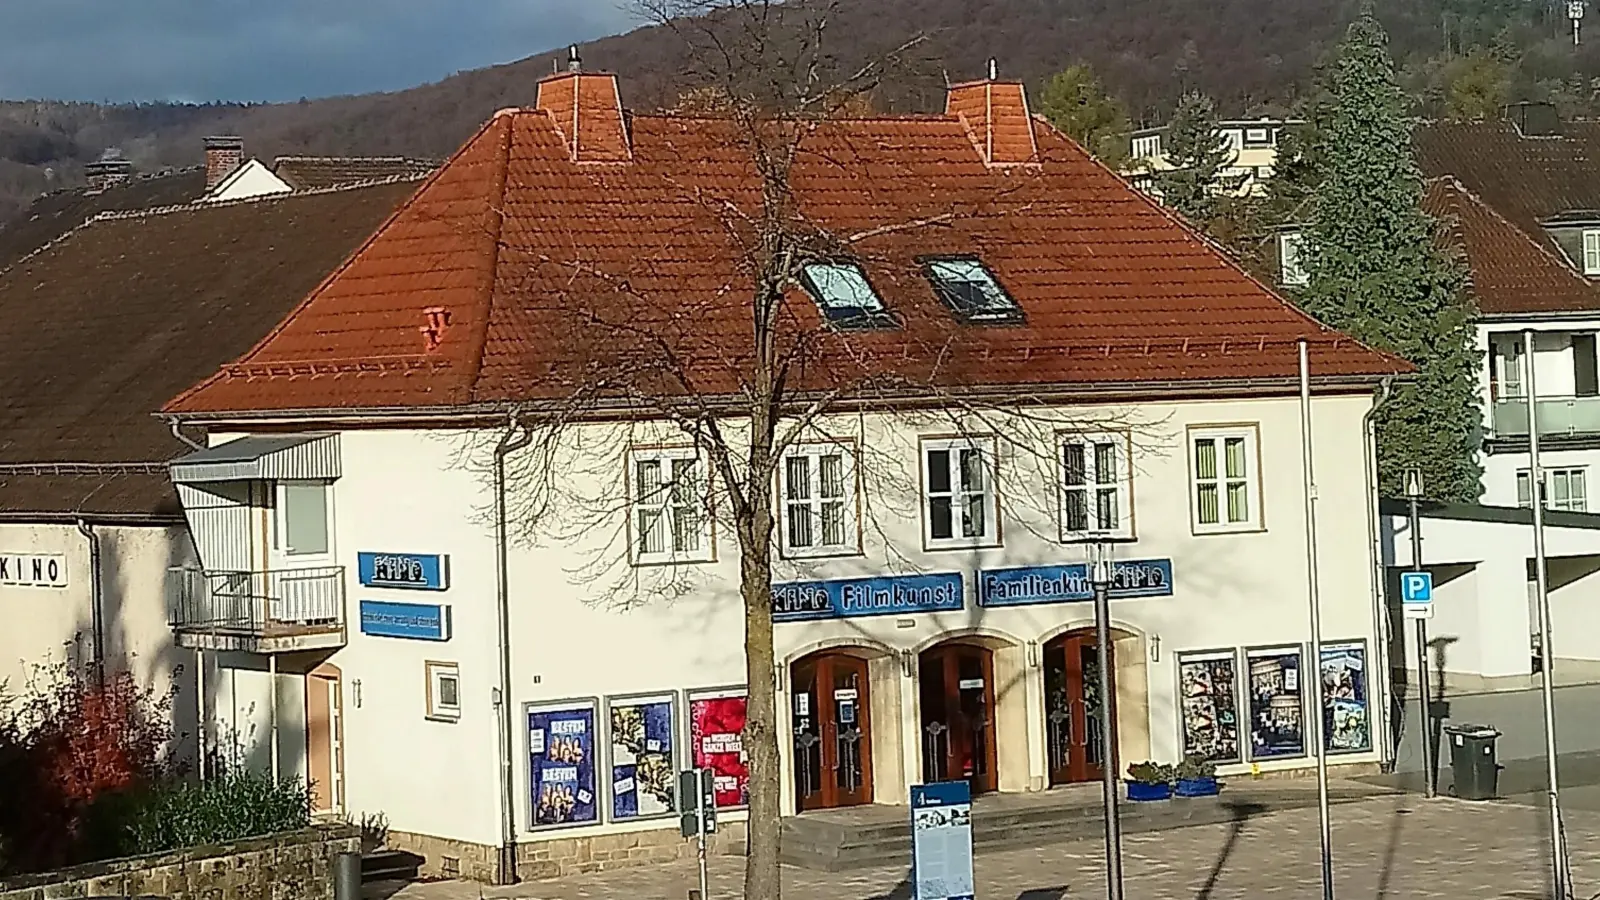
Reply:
x=832 y=731
x=1073 y=732
x=956 y=693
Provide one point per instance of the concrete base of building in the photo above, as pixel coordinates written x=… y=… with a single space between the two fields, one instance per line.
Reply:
x=555 y=856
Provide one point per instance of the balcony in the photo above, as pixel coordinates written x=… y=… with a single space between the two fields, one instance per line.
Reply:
x=1558 y=417
x=257 y=612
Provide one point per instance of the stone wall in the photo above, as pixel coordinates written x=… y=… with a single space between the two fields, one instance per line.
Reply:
x=296 y=866
x=555 y=855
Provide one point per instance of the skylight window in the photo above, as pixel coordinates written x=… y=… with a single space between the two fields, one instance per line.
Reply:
x=843 y=293
x=971 y=290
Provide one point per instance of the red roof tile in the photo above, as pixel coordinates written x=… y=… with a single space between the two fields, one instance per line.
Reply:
x=542 y=269
x=1526 y=179
x=996 y=114
x=1511 y=274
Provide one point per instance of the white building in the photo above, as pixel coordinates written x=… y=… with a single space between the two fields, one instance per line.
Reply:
x=930 y=600
x=1253 y=144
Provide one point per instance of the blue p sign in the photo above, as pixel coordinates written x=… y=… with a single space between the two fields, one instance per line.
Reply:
x=1416 y=587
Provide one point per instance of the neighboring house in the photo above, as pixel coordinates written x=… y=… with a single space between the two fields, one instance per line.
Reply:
x=1253 y=143
x=113 y=186
x=100 y=327
x=232 y=177
x=931 y=606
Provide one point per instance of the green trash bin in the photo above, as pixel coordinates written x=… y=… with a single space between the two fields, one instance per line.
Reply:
x=1472 y=761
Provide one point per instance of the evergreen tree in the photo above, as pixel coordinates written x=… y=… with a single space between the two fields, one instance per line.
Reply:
x=1197 y=152
x=1378 y=271
x=1075 y=103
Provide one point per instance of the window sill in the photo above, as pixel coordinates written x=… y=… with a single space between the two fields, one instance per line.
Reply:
x=935 y=545
x=1241 y=528
x=1124 y=536
x=823 y=553
x=446 y=718
x=648 y=562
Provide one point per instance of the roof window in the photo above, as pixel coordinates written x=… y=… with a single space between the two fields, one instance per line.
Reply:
x=970 y=289
x=844 y=295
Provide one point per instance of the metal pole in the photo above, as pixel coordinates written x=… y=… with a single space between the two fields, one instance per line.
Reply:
x=1108 y=753
x=1558 y=881
x=1430 y=775
x=705 y=886
x=1315 y=603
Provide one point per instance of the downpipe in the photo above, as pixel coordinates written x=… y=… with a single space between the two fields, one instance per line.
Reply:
x=1379 y=579
x=515 y=438
x=97 y=625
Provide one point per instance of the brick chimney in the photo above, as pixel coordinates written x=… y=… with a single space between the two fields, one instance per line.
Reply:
x=108 y=170
x=996 y=115
x=587 y=110
x=223 y=156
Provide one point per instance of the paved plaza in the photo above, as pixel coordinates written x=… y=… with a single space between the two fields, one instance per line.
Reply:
x=1393 y=846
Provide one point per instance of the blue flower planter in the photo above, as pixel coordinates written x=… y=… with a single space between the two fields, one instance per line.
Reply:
x=1144 y=793
x=1198 y=787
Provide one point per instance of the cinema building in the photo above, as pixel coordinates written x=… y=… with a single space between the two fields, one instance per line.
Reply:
x=931 y=603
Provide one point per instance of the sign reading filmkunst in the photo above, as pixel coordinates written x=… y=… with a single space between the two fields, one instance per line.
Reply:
x=33 y=570
x=896 y=594
x=1069 y=584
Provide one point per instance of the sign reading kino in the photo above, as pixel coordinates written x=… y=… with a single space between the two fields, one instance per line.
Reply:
x=33 y=570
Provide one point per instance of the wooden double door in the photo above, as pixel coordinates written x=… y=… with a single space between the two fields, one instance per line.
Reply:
x=1074 y=737
x=832 y=731
x=956 y=700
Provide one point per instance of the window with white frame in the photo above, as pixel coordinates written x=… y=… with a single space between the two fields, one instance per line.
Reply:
x=1147 y=146
x=669 y=506
x=1591 y=251
x=300 y=525
x=819 y=501
x=1566 y=490
x=444 y=690
x=1291 y=269
x=1095 y=486
x=1223 y=466
x=959 y=506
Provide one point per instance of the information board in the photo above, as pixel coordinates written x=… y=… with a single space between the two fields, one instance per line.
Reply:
x=941 y=841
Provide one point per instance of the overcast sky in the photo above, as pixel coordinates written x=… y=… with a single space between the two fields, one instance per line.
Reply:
x=198 y=50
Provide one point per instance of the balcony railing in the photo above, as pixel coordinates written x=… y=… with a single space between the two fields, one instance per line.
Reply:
x=1558 y=416
x=291 y=603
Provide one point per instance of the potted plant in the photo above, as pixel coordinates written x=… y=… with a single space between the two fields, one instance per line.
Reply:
x=1197 y=777
x=1149 y=781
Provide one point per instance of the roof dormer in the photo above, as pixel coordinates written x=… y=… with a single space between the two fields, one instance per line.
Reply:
x=996 y=115
x=587 y=110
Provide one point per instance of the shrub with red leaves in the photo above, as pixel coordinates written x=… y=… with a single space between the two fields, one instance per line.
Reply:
x=68 y=742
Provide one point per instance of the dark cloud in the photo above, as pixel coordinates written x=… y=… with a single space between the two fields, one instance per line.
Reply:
x=200 y=50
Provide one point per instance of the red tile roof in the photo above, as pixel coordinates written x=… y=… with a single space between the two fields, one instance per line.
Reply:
x=1511 y=274
x=518 y=272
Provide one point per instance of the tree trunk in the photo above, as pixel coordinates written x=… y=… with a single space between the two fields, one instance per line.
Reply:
x=762 y=872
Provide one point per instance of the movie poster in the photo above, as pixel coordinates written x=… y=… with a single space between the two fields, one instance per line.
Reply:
x=561 y=775
x=643 y=776
x=716 y=734
x=1346 y=711
x=1277 y=715
x=1209 y=692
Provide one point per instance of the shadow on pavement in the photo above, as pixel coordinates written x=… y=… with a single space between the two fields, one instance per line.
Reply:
x=1238 y=813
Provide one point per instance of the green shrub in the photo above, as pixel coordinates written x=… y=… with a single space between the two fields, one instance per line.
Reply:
x=1150 y=773
x=1196 y=768
x=174 y=814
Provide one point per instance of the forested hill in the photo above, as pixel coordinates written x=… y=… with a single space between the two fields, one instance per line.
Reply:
x=1252 y=55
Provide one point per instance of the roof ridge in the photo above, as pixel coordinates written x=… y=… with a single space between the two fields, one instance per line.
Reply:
x=296 y=157
x=151 y=212
x=1471 y=196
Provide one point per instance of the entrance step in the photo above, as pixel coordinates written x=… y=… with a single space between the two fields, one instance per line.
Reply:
x=870 y=837
x=389 y=865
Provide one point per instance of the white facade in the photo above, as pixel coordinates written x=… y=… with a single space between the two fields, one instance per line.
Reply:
x=49 y=621
x=1252 y=143
x=587 y=624
x=1563 y=368
x=251 y=180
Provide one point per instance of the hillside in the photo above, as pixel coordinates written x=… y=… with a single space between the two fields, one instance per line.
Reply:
x=1252 y=55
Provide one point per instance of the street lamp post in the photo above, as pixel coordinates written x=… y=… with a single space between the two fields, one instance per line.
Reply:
x=1430 y=777
x=1100 y=581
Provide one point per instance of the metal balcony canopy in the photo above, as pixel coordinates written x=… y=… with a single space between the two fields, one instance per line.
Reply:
x=309 y=457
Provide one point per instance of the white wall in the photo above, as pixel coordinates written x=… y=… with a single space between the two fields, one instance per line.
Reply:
x=49 y=627
x=253 y=179
x=584 y=626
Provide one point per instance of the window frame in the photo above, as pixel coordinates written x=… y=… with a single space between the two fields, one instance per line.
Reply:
x=1589 y=251
x=1250 y=432
x=280 y=521
x=1268 y=138
x=993 y=535
x=862 y=318
x=1123 y=484
x=1152 y=141
x=814 y=450
x=1011 y=315
x=707 y=551
x=435 y=672
x=1524 y=479
x=1300 y=277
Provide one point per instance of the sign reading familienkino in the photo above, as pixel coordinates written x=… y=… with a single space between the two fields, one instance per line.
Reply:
x=889 y=595
x=33 y=570
x=1069 y=584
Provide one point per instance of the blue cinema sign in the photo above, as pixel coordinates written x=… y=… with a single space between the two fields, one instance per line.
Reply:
x=1030 y=585
x=413 y=621
x=408 y=571
x=798 y=601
